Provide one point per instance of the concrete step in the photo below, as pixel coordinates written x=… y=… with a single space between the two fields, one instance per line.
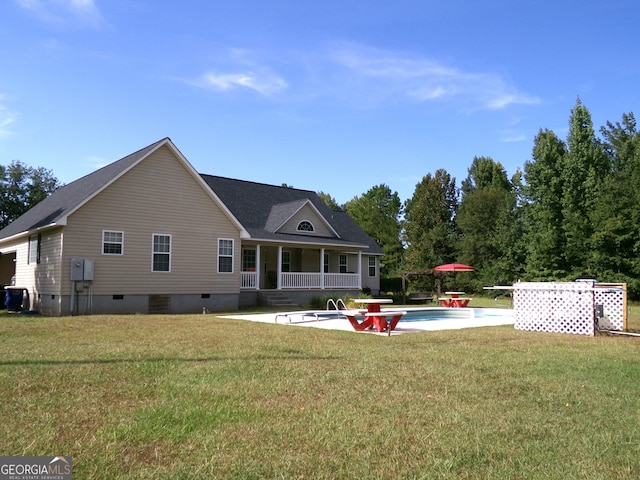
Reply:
x=276 y=299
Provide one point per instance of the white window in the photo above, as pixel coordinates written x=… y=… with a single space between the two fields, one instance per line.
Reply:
x=112 y=242
x=34 y=249
x=343 y=263
x=225 y=255
x=372 y=266
x=286 y=261
x=248 y=260
x=305 y=226
x=161 y=253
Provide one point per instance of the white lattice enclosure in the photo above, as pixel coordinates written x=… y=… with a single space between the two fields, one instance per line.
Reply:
x=569 y=307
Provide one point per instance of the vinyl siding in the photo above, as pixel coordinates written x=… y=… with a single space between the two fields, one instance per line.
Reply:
x=371 y=282
x=158 y=196
x=309 y=214
x=23 y=271
x=48 y=271
x=43 y=277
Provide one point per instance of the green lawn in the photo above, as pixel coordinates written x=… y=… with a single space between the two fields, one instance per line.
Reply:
x=197 y=396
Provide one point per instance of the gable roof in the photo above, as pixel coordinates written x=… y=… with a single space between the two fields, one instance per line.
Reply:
x=281 y=213
x=56 y=208
x=259 y=207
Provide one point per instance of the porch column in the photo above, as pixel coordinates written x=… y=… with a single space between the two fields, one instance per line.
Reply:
x=279 y=269
x=258 y=267
x=322 y=268
x=359 y=268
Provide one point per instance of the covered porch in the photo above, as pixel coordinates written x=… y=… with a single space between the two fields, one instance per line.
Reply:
x=281 y=267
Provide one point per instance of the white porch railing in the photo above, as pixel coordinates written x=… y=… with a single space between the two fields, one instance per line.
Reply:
x=248 y=280
x=341 y=280
x=300 y=280
x=305 y=280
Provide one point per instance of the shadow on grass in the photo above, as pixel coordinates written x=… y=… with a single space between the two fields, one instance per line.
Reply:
x=108 y=361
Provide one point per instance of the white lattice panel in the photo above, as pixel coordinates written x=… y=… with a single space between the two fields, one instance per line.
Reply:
x=613 y=298
x=561 y=307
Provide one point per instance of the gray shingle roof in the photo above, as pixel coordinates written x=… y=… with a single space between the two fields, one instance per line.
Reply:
x=282 y=212
x=252 y=204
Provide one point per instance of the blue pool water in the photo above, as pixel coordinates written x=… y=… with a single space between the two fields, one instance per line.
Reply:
x=439 y=313
x=413 y=314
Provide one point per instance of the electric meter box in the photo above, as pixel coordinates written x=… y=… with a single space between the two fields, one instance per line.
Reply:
x=81 y=269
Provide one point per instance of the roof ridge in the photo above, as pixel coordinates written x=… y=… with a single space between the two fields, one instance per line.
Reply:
x=256 y=183
x=110 y=164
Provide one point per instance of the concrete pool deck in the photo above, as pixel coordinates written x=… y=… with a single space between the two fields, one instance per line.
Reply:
x=496 y=318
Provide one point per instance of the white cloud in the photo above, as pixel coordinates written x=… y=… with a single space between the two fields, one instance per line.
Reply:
x=264 y=83
x=365 y=75
x=95 y=162
x=62 y=12
x=514 y=138
x=425 y=80
x=7 y=118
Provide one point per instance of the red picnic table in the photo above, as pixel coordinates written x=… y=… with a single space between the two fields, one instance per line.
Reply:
x=454 y=300
x=373 y=317
x=385 y=320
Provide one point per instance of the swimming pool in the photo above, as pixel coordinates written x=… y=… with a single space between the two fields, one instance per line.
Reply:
x=414 y=314
x=417 y=319
x=440 y=313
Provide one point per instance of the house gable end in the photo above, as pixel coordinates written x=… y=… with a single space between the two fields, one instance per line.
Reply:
x=306 y=220
x=56 y=208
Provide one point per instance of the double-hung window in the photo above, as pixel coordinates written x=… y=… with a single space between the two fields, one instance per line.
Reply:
x=161 y=253
x=248 y=260
x=112 y=242
x=34 y=249
x=372 y=266
x=225 y=255
x=286 y=261
x=343 y=263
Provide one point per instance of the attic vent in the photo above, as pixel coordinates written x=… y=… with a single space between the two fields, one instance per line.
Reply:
x=305 y=226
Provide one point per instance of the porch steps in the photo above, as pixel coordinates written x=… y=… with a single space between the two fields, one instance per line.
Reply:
x=276 y=299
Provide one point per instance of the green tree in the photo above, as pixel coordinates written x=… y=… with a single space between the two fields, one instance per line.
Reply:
x=22 y=187
x=584 y=168
x=542 y=210
x=615 y=241
x=483 y=174
x=429 y=228
x=488 y=225
x=330 y=201
x=378 y=213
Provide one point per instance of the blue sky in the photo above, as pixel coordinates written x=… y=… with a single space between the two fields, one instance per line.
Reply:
x=325 y=95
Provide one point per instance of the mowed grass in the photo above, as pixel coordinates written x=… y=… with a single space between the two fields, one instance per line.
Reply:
x=198 y=396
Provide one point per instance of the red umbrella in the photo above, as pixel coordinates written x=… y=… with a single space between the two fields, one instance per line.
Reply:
x=454 y=267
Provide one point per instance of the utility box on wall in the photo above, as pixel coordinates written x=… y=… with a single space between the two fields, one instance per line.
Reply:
x=81 y=269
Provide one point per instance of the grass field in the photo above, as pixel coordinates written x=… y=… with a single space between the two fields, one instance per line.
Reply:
x=197 y=396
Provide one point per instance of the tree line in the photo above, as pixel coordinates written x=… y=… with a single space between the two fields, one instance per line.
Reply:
x=572 y=212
